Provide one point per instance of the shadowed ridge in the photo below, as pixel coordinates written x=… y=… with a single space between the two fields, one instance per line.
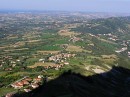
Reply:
x=114 y=83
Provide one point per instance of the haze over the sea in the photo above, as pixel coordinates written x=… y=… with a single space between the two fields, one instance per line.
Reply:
x=120 y=6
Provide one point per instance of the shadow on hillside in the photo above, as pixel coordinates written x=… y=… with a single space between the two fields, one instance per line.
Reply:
x=114 y=83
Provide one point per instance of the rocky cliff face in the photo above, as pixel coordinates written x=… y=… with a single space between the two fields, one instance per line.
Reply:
x=114 y=83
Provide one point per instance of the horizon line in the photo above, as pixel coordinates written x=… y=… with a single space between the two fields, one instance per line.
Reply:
x=31 y=10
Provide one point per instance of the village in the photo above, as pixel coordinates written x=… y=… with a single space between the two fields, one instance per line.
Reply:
x=27 y=83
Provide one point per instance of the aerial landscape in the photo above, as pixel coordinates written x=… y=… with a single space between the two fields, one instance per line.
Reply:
x=64 y=53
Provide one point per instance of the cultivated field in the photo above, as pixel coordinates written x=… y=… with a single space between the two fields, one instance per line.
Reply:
x=73 y=48
x=41 y=64
x=48 y=52
x=67 y=33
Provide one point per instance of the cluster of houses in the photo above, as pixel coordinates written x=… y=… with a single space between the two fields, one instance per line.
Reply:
x=8 y=60
x=26 y=81
x=74 y=39
x=55 y=66
x=125 y=48
x=3 y=60
x=112 y=37
x=31 y=83
x=129 y=54
x=121 y=50
x=10 y=94
x=60 y=58
x=109 y=35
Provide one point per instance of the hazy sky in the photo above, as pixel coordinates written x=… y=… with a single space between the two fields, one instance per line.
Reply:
x=67 y=5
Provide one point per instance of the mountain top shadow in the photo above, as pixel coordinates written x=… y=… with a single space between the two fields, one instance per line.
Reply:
x=114 y=83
